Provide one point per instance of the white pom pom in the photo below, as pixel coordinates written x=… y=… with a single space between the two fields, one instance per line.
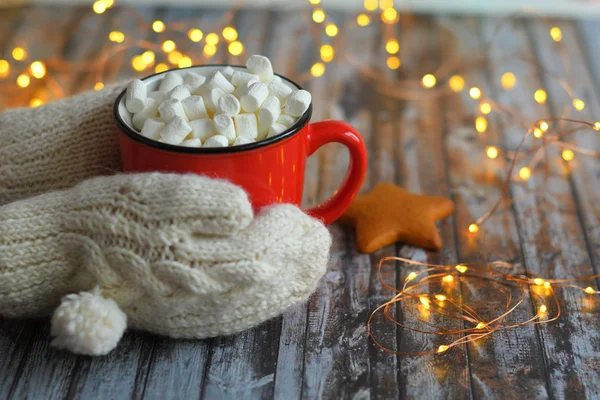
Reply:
x=87 y=323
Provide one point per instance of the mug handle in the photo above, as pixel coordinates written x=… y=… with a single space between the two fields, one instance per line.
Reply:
x=321 y=133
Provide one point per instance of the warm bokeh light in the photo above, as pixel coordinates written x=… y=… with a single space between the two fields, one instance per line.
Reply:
x=461 y=268
x=229 y=33
x=317 y=70
x=161 y=68
x=442 y=349
x=363 y=19
x=475 y=93
x=578 y=104
x=109 y=3
x=543 y=309
x=174 y=57
x=4 y=68
x=540 y=96
x=184 y=62
x=314 y=2
x=384 y=4
x=99 y=7
x=538 y=133
x=370 y=5
x=481 y=124
x=473 y=228
x=318 y=15
x=195 y=35
x=98 y=86
x=168 y=46
x=389 y=16
x=148 y=57
x=456 y=83
x=210 y=50
x=138 y=64
x=35 y=102
x=19 y=53
x=448 y=279
x=411 y=276
x=597 y=126
x=544 y=126
x=589 y=290
x=393 y=62
x=508 y=80
x=538 y=281
x=38 y=69
x=428 y=81
x=158 y=26
x=480 y=325
x=392 y=46
x=492 y=152
x=116 y=36
x=212 y=39
x=556 y=33
x=23 y=80
x=236 y=48
x=485 y=108
x=327 y=53
x=525 y=173
x=331 y=30
x=568 y=155
x=440 y=297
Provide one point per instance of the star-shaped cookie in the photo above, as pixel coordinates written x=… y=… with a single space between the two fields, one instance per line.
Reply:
x=389 y=214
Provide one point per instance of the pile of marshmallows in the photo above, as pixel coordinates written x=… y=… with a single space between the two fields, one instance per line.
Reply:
x=228 y=109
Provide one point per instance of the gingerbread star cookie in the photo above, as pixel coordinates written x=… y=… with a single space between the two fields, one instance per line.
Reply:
x=389 y=214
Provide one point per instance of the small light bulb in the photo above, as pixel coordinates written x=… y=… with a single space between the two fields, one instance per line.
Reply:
x=597 y=126
x=314 y=2
x=161 y=68
x=589 y=290
x=317 y=70
x=327 y=53
x=138 y=64
x=331 y=30
x=425 y=302
x=543 y=309
x=4 y=68
x=547 y=285
x=456 y=83
x=475 y=93
x=481 y=124
x=392 y=46
x=473 y=228
x=116 y=36
x=440 y=297
x=485 y=108
x=556 y=33
x=210 y=50
x=168 y=46
x=174 y=57
x=508 y=80
x=19 y=53
x=442 y=349
x=212 y=39
x=540 y=96
x=370 y=5
x=568 y=155
x=98 y=86
x=389 y=15
x=229 y=33
x=99 y=7
x=411 y=276
x=428 y=81
x=235 y=48
x=195 y=35
x=318 y=15
x=462 y=268
x=38 y=69
x=23 y=80
x=448 y=279
x=363 y=20
x=492 y=152
x=578 y=104
x=148 y=57
x=538 y=133
x=158 y=26
x=538 y=281
x=33 y=103
x=184 y=62
x=525 y=173
x=481 y=325
x=544 y=126
x=393 y=62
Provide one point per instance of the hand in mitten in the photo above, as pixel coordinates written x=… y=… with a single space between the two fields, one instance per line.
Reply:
x=178 y=255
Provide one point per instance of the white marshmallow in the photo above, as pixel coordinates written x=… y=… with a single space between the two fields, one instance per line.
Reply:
x=243 y=88
x=268 y=113
x=203 y=128
x=257 y=93
x=135 y=96
x=224 y=126
x=297 y=103
x=194 y=107
x=170 y=109
x=286 y=120
x=211 y=99
x=195 y=142
x=152 y=128
x=228 y=104
x=261 y=66
x=240 y=77
x=158 y=96
x=240 y=140
x=219 y=81
x=246 y=126
x=277 y=78
x=280 y=90
x=276 y=129
x=179 y=92
x=227 y=72
x=176 y=130
x=216 y=141
x=194 y=80
x=150 y=111
x=170 y=80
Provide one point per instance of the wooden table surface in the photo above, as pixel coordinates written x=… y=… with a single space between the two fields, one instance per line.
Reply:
x=321 y=349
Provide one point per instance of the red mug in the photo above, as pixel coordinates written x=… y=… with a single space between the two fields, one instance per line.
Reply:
x=270 y=170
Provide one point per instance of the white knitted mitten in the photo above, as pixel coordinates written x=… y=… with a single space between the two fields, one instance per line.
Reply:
x=177 y=255
x=57 y=145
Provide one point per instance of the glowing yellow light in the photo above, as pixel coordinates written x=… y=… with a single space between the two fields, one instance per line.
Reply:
x=98 y=86
x=538 y=133
x=210 y=50
x=174 y=57
x=485 y=107
x=212 y=39
x=393 y=62
x=158 y=26
x=168 y=46
x=236 y=48
x=229 y=33
x=4 y=68
x=363 y=19
x=425 y=302
x=473 y=228
x=578 y=104
x=544 y=126
x=481 y=325
x=508 y=80
x=589 y=290
x=481 y=124
x=116 y=36
x=440 y=297
x=442 y=349
x=525 y=173
x=568 y=155
x=540 y=96
x=331 y=30
x=538 y=281
x=456 y=83
x=428 y=81
x=448 y=278
x=148 y=57
x=314 y=2
x=543 y=309
x=317 y=70
x=461 y=268
x=327 y=53
x=109 y=3
x=475 y=92
x=33 y=103
x=38 y=69
x=492 y=152
x=318 y=15
x=383 y=4
x=19 y=53
x=411 y=276
x=23 y=80
x=389 y=16
x=392 y=46
x=547 y=285
x=370 y=5
x=185 y=62
x=161 y=68
x=195 y=35
x=138 y=64
x=99 y=7
x=597 y=126
x=556 y=33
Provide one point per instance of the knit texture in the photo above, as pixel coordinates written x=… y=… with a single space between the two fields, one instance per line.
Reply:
x=181 y=255
x=57 y=145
